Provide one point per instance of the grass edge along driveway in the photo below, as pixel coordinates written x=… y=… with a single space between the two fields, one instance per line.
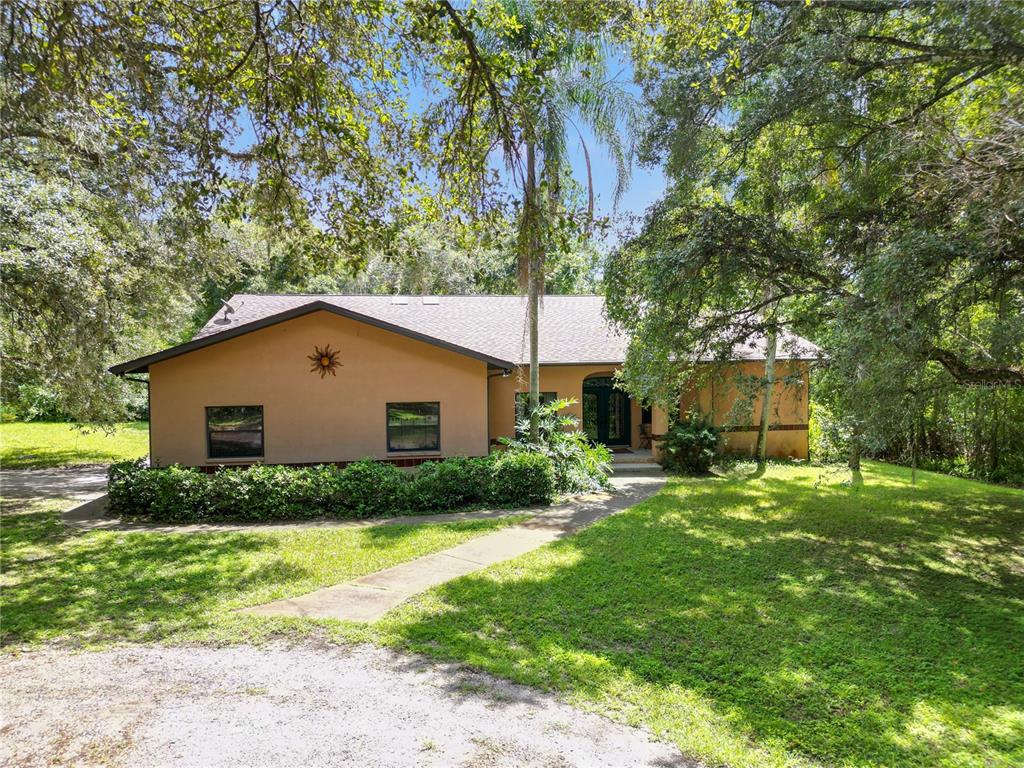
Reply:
x=781 y=621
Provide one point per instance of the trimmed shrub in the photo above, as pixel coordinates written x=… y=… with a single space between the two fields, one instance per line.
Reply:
x=273 y=492
x=521 y=478
x=449 y=484
x=128 y=488
x=231 y=496
x=366 y=488
x=689 y=446
x=172 y=494
x=180 y=494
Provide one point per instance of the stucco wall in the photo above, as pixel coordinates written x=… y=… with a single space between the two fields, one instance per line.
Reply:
x=788 y=412
x=308 y=418
x=719 y=396
x=566 y=380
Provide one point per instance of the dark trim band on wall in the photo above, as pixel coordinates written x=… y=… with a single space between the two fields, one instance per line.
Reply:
x=771 y=428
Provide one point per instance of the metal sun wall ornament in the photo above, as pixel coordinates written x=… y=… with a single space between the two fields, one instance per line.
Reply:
x=324 y=360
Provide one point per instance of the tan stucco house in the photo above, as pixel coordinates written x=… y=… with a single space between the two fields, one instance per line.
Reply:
x=301 y=379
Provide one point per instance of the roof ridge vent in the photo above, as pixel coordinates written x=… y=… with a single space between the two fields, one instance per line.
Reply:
x=399 y=299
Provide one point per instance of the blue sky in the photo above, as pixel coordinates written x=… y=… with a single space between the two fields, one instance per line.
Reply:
x=646 y=185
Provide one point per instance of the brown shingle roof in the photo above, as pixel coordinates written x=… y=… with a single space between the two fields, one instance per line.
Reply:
x=573 y=329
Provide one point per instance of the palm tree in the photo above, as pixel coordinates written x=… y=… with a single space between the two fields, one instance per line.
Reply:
x=531 y=83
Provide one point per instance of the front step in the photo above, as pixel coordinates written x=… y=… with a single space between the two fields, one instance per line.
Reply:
x=633 y=457
x=635 y=467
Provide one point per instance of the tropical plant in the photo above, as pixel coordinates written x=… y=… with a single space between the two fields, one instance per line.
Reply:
x=689 y=445
x=579 y=465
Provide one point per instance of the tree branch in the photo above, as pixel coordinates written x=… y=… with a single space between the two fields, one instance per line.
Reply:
x=977 y=54
x=974 y=376
x=482 y=69
x=874 y=7
x=34 y=133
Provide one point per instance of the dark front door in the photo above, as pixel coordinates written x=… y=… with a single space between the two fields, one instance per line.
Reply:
x=605 y=412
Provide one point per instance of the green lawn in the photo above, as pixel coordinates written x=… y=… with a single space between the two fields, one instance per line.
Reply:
x=100 y=587
x=46 y=444
x=768 y=622
x=785 y=620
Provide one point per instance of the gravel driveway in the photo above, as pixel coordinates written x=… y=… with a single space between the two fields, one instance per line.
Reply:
x=306 y=706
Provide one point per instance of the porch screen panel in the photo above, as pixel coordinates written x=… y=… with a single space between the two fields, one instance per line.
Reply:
x=414 y=426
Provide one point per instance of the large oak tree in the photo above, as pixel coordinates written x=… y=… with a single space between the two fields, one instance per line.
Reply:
x=885 y=136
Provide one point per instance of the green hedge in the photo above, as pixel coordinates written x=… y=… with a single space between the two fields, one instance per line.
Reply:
x=450 y=484
x=518 y=477
x=364 y=488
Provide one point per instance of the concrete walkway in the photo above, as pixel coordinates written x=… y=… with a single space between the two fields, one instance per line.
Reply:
x=369 y=597
x=79 y=483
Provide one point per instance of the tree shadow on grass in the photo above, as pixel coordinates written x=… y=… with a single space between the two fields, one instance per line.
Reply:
x=108 y=585
x=147 y=585
x=876 y=625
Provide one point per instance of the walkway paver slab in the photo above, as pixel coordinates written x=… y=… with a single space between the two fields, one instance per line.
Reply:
x=344 y=601
x=420 y=574
x=502 y=545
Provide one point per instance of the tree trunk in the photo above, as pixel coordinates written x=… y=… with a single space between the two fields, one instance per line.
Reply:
x=854 y=459
x=915 y=450
x=855 y=442
x=772 y=342
x=534 y=302
x=533 y=278
x=995 y=417
x=995 y=412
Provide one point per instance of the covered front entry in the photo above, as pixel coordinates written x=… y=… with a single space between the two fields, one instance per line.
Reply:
x=605 y=411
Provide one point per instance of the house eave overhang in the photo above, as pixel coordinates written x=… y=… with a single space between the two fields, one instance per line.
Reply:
x=141 y=364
